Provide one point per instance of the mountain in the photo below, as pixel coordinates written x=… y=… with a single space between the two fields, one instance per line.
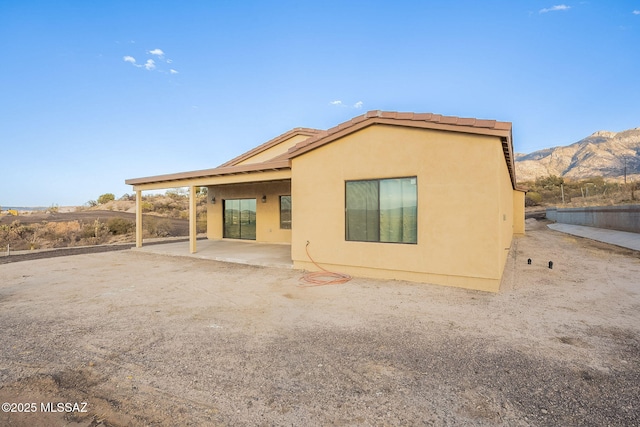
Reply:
x=600 y=154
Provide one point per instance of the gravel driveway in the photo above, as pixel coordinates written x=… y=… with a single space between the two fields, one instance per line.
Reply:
x=149 y=340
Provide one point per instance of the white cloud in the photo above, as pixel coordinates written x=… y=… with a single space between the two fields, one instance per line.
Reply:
x=158 y=52
x=131 y=60
x=555 y=8
x=339 y=103
x=636 y=12
x=154 y=64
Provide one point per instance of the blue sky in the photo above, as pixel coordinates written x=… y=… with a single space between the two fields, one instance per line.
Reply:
x=95 y=92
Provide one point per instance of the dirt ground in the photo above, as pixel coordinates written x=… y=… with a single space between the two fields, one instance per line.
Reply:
x=148 y=340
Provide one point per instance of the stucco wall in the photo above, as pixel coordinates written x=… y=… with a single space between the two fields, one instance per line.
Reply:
x=505 y=219
x=464 y=193
x=518 y=212
x=267 y=214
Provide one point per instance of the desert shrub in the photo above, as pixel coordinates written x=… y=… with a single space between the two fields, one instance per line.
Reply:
x=532 y=198
x=105 y=198
x=92 y=203
x=634 y=186
x=118 y=226
x=95 y=232
x=169 y=205
x=60 y=229
x=60 y=234
x=177 y=193
x=87 y=231
x=157 y=227
x=18 y=236
x=549 y=182
x=201 y=222
x=147 y=206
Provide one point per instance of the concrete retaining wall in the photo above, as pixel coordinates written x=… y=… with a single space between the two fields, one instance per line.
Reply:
x=624 y=218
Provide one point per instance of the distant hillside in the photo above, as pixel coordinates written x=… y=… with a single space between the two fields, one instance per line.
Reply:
x=601 y=154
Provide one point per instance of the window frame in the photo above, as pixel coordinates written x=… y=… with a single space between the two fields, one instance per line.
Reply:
x=378 y=180
x=290 y=212
x=240 y=236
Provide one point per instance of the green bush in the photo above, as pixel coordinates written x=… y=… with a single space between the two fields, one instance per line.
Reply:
x=106 y=197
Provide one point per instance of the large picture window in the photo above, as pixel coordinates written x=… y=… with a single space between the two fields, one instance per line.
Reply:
x=382 y=210
x=285 y=212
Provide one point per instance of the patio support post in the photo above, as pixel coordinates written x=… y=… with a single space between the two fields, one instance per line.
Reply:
x=138 y=218
x=192 y=219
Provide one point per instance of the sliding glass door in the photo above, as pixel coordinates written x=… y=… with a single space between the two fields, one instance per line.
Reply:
x=240 y=219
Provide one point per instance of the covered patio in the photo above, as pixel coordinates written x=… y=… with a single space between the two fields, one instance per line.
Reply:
x=240 y=252
x=254 y=184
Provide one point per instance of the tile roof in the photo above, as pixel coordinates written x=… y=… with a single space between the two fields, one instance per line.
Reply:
x=232 y=167
x=270 y=165
x=271 y=143
x=419 y=120
x=424 y=120
x=318 y=138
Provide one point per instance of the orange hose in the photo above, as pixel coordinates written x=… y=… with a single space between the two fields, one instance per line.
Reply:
x=323 y=277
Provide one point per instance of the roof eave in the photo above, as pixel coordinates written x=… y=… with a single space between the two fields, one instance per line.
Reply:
x=206 y=173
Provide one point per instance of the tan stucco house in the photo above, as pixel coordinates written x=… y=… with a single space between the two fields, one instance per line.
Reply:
x=419 y=197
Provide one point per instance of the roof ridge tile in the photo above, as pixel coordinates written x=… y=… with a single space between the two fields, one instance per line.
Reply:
x=405 y=116
x=422 y=116
x=449 y=120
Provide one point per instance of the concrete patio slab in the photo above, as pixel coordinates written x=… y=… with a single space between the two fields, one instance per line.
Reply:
x=623 y=239
x=235 y=251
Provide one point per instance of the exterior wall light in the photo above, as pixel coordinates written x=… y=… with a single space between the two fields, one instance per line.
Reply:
x=264 y=199
x=213 y=200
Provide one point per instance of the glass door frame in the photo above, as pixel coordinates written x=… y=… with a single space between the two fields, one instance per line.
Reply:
x=242 y=215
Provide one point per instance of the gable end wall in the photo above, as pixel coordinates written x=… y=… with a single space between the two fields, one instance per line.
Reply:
x=465 y=211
